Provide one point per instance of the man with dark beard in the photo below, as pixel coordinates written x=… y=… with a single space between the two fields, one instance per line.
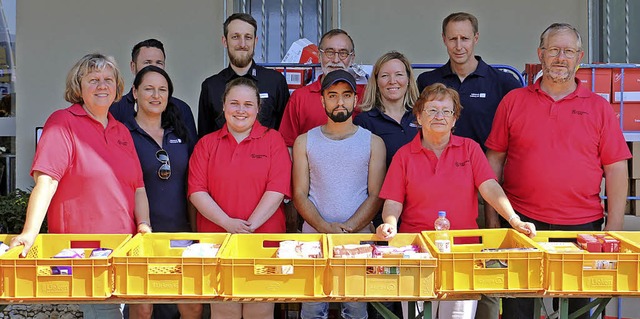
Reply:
x=551 y=143
x=240 y=40
x=338 y=170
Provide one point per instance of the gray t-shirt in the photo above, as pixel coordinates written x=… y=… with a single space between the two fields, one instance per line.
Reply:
x=338 y=173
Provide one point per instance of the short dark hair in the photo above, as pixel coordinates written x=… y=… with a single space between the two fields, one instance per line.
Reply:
x=460 y=16
x=243 y=17
x=149 y=43
x=332 y=33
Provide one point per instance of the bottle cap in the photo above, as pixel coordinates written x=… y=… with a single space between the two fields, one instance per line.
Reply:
x=442 y=213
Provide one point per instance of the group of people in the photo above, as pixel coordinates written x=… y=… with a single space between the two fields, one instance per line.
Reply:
x=383 y=157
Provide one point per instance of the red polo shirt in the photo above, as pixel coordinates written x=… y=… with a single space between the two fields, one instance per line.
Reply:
x=304 y=111
x=556 y=151
x=425 y=184
x=237 y=175
x=97 y=169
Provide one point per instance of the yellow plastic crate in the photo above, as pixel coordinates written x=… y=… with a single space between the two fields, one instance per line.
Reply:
x=151 y=265
x=463 y=271
x=6 y=239
x=575 y=274
x=354 y=278
x=31 y=278
x=249 y=268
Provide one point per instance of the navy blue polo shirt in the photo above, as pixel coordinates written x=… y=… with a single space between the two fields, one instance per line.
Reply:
x=480 y=93
x=394 y=134
x=123 y=112
x=167 y=198
x=274 y=94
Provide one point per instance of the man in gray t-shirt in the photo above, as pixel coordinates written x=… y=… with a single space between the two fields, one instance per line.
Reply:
x=338 y=170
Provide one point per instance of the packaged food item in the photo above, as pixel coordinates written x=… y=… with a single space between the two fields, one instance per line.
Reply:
x=101 y=253
x=299 y=249
x=601 y=264
x=561 y=247
x=201 y=250
x=3 y=248
x=70 y=253
x=394 y=252
x=61 y=270
x=589 y=243
x=353 y=251
x=609 y=244
x=66 y=253
x=382 y=270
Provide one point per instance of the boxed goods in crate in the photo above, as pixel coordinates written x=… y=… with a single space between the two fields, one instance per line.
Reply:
x=250 y=266
x=364 y=267
x=501 y=261
x=61 y=266
x=604 y=263
x=168 y=265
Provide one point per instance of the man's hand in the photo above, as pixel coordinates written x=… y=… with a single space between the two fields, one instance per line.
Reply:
x=337 y=228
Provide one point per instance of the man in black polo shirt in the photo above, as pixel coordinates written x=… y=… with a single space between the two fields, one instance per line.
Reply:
x=150 y=52
x=240 y=40
x=481 y=88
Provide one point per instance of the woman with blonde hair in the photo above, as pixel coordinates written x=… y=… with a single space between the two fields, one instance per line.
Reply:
x=388 y=100
x=86 y=169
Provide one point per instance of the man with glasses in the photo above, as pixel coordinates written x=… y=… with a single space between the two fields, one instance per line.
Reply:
x=304 y=110
x=552 y=142
x=240 y=40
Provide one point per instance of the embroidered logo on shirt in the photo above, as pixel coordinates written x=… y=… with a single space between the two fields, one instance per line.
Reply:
x=458 y=164
x=579 y=112
x=176 y=141
x=478 y=95
x=258 y=156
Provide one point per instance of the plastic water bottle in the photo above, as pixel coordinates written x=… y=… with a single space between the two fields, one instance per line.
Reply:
x=442 y=225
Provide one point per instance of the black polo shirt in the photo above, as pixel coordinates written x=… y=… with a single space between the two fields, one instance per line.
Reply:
x=394 y=134
x=167 y=197
x=480 y=93
x=274 y=94
x=123 y=112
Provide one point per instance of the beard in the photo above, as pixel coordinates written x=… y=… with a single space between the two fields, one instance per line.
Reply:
x=239 y=59
x=339 y=117
x=558 y=76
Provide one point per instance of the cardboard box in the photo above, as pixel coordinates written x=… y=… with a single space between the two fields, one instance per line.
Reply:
x=630 y=115
x=296 y=77
x=602 y=85
x=302 y=51
x=631 y=90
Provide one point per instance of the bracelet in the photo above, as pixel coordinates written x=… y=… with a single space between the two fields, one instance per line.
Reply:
x=514 y=216
x=144 y=223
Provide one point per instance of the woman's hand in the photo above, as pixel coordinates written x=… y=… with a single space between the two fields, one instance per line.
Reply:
x=386 y=231
x=237 y=226
x=144 y=227
x=25 y=240
x=528 y=229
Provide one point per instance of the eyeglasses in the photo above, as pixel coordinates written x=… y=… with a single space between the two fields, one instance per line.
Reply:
x=330 y=53
x=164 y=172
x=434 y=112
x=568 y=52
